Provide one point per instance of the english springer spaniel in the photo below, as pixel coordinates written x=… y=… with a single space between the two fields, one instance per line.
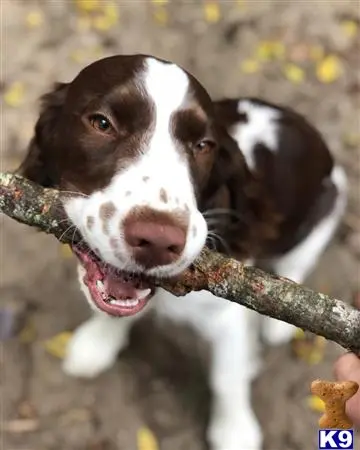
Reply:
x=153 y=169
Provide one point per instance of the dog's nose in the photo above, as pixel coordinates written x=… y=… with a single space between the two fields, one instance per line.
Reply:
x=155 y=238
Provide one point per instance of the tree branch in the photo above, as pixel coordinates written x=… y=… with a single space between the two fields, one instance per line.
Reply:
x=265 y=293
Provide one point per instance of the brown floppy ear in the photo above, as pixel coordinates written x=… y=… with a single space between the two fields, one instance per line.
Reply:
x=34 y=166
x=254 y=223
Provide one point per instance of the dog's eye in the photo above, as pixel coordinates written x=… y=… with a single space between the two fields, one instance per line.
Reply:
x=100 y=123
x=204 y=146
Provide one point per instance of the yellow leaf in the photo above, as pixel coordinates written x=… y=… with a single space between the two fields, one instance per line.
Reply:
x=66 y=251
x=57 y=345
x=299 y=334
x=351 y=139
x=350 y=28
x=34 y=19
x=309 y=348
x=264 y=51
x=294 y=73
x=102 y=23
x=14 y=95
x=111 y=12
x=161 y=16
x=329 y=69
x=146 y=440
x=249 y=66
x=88 y=5
x=315 y=403
x=241 y=4
x=160 y=2
x=212 y=12
x=267 y=50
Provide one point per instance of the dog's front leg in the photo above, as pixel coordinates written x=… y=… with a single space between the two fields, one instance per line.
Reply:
x=95 y=345
x=233 y=425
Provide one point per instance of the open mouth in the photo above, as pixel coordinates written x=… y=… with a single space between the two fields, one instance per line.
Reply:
x=113 y=291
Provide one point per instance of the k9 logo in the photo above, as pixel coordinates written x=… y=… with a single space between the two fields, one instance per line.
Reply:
x=336 y=439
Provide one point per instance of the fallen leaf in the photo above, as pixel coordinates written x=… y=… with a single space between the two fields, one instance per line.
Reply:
x=329 y=69
x=249 y=66
x=294 y=73
x=57 y=345
x=268 y=50
x=88 y=5
x=15 y=94
x=146 y=439
x=308 y=347
x=212 y=12
x=66 y=251
x=315 y=403
x=34 y=19
x=160 y=2
x=160 y=16
x=351 y=140
x=350 y=28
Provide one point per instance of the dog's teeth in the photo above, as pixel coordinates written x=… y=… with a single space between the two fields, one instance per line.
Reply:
x=126 y=303
x=144 y=293
x=100 y=285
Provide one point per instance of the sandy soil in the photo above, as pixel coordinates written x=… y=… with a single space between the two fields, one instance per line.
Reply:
x=158 y=382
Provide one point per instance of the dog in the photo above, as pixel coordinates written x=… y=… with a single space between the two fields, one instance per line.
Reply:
x=152 y=169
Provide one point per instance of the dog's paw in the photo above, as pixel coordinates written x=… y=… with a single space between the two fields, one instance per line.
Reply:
x=91 y=351
x=277 y=332
x=235 y=432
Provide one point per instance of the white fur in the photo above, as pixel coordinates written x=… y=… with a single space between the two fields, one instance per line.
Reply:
x=261 y=127
x=167 y=85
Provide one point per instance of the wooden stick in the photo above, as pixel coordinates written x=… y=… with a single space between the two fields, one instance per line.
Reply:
x=224 y=277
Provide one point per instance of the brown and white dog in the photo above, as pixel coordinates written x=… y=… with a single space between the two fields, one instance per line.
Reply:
x=153 y=169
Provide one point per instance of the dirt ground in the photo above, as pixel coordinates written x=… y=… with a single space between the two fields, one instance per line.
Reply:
x=159 y=382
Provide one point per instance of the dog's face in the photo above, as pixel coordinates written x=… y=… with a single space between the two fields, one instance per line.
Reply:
x=133 y=141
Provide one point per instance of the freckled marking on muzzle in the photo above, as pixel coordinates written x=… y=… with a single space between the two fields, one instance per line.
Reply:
x=106 y=212
x=163 y=195
x=90 y=221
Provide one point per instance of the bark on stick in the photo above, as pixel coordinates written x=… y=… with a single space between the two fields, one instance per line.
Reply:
x=224 y=277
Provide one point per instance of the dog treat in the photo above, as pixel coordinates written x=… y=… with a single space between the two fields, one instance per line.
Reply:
x=335 y=395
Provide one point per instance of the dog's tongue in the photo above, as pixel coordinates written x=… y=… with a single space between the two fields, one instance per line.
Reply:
x=119 y=288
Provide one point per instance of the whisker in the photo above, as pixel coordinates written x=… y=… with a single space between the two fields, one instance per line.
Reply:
x=220 y=239
x=67 y=229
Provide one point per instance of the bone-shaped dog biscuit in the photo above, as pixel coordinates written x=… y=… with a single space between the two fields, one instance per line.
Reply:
x=335 y=395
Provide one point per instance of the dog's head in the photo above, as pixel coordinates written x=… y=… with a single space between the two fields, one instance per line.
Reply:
x=133 y=142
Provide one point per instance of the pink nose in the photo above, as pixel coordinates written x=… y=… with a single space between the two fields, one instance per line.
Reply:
x=155 y=242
